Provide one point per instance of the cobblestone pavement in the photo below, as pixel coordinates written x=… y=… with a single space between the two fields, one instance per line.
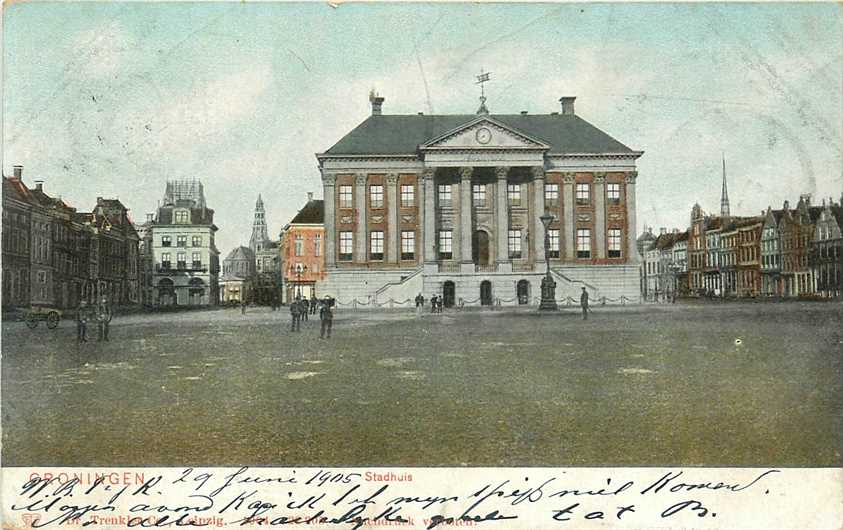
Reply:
x=705 y=384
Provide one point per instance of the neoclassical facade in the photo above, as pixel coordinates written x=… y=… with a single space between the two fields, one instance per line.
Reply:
x=451 y=204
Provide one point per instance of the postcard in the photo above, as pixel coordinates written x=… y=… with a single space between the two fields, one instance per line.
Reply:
x=422 y=265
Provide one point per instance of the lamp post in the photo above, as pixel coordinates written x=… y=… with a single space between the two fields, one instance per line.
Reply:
x=548 y=301
x=298 y=271
x=674 y=268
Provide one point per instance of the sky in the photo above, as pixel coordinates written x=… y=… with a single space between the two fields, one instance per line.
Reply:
x=112 y=100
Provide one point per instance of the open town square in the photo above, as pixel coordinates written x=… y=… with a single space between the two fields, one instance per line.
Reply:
x=693 y=383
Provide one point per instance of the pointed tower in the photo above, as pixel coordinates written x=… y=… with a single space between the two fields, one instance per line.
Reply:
x=260 y=235
x=724 y=194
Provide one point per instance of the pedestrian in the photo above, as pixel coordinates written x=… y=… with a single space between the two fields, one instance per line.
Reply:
x=584 y=303
x=313 y=303
x=326 y=315
x=104 y=315
x=295 y=315
x=303 y=310
x=440 y=303
x=242 y=307
x=433 y=304
x=82 y=314
x=419 y=304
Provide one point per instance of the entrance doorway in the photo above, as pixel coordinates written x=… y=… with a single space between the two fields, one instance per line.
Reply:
x=485 y=292
x=523 y=290
x=480 y=247
x=448 y=290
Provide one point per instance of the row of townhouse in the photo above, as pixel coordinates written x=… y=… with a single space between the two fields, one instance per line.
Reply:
x=55 y=256
x=787 y=252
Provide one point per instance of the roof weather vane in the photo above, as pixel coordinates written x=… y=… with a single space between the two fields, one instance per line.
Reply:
x=481 y=80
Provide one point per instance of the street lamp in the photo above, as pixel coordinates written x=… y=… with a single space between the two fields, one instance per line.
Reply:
x=675 y=268
x=298 y=271
x=548 y=301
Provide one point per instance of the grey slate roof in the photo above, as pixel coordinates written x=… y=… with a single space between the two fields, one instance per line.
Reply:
x=312 y=213
x=402 y=134
x=240 y=253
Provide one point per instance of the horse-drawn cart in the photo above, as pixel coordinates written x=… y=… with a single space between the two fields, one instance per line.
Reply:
x=37 y=314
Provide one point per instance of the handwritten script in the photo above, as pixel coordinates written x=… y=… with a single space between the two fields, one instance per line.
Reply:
x=359 y=498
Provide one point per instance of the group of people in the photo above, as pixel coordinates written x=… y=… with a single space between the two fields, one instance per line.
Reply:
x=300 y=308
x=101 y=314
x=437 y=303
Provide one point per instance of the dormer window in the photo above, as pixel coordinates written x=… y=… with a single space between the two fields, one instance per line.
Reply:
x=181 y=217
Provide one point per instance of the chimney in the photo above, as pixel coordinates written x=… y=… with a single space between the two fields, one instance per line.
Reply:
x=149 y=217
x=786 y=205
x=807 y=198
x=18 y=172
x=523 y=112
x=377 y=103
x=662 y=231
x=567 y=104
x=309 y=196
x=39 y=185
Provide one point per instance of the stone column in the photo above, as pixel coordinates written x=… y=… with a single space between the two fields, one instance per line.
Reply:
x=632 y=248
x=428 y=211
x=600 y=214
x=569 y=223
x=537 y=239
x=502 y=219
x=465 y=217
x=393 y=203
x=361 y=244
x=329 y=194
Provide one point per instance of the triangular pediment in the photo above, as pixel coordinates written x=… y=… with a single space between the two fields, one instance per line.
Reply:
x=484 y=133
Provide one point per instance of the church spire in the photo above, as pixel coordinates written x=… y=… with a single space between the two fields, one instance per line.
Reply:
x=724 y=194
x=260 y=235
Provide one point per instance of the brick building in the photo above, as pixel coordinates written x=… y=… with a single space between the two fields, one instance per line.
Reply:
x=451 y=204
x=303 y=251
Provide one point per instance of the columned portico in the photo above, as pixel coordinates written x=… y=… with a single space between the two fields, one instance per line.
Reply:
x=393 y=201
x=429 y=216
x=466 y=263
x=570 y=221
x=600 y=214
x=502 y=219
x=329 y=183
x=537 y=239
x=360 y=235
x=631 y=229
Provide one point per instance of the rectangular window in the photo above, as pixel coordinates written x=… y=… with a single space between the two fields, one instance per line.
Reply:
x=197 y=260
x=408 y=195
x=181 y=258
x=513 y=194
x=196 y=241
x=182 y=217
x=181 y=241
x=613 y=193
x=408 y=245
x=299 y=245
x=165 y=260
x=346 y=245
x=166 y=241
x=478 y=195
x=553 y=243
x=583 y=193
x=445 y=248
x=444 y=195
x=614 y=243
x=583 y=243
x=346 y=197
x=317 y=245
x=551 y=194
x=376 y=196
x=514 y=244
x=376 y=245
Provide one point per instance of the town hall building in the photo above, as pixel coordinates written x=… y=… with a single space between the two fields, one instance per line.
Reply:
x=451 y=205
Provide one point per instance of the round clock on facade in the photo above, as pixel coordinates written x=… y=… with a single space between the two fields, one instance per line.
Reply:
x=483 y=135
